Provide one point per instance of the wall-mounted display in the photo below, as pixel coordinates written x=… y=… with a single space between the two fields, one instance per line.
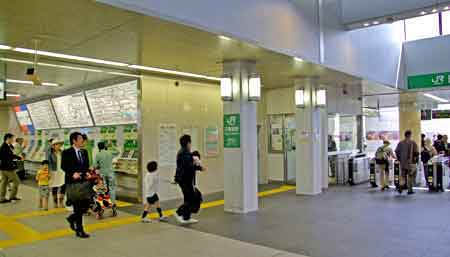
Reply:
x=23 y=117
x=42 y=115
x=72 y=111
x=114 y=104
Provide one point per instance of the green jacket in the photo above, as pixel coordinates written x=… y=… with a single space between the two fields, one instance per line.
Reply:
x=103 y=161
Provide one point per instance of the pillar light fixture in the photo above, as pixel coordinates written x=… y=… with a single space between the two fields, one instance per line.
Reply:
x=226 y=89
x=300 y=98
x=254 y=88
x=321 y=97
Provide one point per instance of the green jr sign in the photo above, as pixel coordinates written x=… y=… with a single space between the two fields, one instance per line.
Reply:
x=429 y=80
x=232 y=131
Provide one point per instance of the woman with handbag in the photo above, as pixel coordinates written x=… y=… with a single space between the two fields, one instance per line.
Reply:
x=57 y=181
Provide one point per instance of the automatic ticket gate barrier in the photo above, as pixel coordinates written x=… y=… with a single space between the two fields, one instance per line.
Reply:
x=436 y=174
x=358 y=169
x=397 y=174
x=373 y=174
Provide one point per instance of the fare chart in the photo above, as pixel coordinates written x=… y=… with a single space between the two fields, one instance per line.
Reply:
x=42 y=115
x=115 y=104
x=72 y=111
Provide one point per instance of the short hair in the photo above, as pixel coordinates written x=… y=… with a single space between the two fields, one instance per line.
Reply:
x=185 y=140
x=74 y=136
x=7 y=136
x=45 y=162
x=84 y=136
x=196 y=153
x=152 y=166
x=19 y=139
x=439 y=137
x=101 y=146
x=408 y=133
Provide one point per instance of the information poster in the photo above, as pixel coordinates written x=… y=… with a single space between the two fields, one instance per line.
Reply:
x=72 y=111
x=167 y=145
x=114 y=104
x=211 y=141
x=276 y=134
x=232 y=131
x=42 y=115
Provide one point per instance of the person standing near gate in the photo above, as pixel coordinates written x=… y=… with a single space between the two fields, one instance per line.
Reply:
x=8 y=167
x=185 y=177
x=383 y=156
x=407 y=153
x=75 y=164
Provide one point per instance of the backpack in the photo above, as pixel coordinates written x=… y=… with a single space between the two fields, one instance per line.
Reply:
x=425 y=155
x=381 y=156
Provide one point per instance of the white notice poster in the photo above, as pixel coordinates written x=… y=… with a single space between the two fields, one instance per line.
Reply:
x=167 y=145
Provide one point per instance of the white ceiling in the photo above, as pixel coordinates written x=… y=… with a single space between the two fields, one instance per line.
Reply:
x=86 y=28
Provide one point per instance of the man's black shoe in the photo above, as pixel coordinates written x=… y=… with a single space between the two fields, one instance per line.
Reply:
x=72 y=223
x=411 y=193
x=15 y=199
x=5 y=201
x=82 y=235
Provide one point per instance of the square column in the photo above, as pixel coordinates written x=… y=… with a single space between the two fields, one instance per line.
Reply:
x=240 y=154
x=311 y=151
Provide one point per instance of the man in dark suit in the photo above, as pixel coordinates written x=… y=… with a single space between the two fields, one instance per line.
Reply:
x=75 y=163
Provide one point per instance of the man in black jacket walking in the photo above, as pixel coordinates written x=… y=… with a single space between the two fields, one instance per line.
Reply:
x=75 y=163
x=185 y=177
x=8 y=167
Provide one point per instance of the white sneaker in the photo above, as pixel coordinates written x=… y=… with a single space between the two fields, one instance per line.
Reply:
x=191 y=221
x=146 y=220
x=180 y=219
x=163 y=219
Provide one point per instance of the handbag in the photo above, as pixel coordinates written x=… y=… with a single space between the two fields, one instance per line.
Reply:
x=78 y=192
x=198 y=200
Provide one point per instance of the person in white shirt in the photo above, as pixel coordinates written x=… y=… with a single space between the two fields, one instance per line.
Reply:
x=151 y=185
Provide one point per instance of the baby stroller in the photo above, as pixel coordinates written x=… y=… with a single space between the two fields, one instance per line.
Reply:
x=102 y=200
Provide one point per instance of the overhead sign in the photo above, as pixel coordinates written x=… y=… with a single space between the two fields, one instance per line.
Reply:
x=72 y=111
x=232 y=130
x=42 y=115
x=429 y=80
x=441 y=114
x=115 y=104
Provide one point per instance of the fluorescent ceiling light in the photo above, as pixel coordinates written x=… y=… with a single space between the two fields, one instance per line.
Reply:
x=125 y=74
x=442 y=100
x=366 y=24
x=70 y=57
x=179 y=73
x=375 y=22
x=447 y=8
x=423 y=13
x=13 y=95
x=434 y=10
x=27 y=82
x=298 y=59
x=224 y=37
x=3 y=47
x=49 y=65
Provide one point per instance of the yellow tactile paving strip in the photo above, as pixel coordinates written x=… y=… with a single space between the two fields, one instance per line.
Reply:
x=20 y=234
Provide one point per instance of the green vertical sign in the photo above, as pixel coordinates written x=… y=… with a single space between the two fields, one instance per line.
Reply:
x=232 y=131
x=429 y=80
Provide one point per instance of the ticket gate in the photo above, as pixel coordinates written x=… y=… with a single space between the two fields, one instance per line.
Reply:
x=436 y=175
x=373 y=174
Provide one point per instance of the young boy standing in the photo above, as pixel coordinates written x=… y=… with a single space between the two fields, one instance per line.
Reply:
x=43 y=178
x=151 y=185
